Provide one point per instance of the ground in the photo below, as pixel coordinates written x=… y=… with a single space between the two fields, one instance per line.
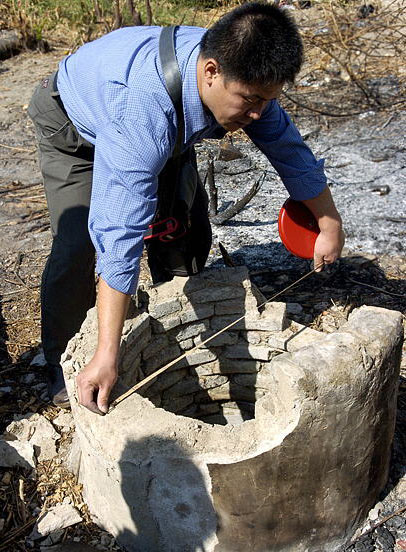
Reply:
x=365 y=162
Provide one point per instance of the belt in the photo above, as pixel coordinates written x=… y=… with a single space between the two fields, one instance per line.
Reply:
x=56 y=94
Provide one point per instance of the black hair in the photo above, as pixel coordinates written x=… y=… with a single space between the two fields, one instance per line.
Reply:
x=256 y=44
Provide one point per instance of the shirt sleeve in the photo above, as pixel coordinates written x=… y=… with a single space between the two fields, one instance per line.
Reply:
x=278 y=138
x=128 y=159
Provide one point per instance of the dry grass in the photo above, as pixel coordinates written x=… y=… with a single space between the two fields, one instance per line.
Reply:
x=353 y=64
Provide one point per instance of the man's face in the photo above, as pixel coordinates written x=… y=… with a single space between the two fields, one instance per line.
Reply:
x=234 y=104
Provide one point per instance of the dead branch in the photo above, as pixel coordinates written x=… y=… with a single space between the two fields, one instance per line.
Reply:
x=149 y=12
x=213 y=200
x=118 y=18
x=97 y=10
x=231 y=211
x=134 y=13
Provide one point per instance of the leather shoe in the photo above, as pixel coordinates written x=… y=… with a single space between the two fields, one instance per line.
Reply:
x=56 y=386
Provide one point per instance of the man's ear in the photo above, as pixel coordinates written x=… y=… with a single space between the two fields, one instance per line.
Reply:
x=211 y=70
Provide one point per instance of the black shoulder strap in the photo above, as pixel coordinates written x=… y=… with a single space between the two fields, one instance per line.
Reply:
x=173 y=80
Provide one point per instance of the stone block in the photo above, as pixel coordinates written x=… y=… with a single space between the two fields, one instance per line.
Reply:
x=207 y=369
x=177 y=404
x=211 y=381
x=260 y=324
x=225 y=338
x=190 y=330
x=227 y=366
x=165 y=308
x=56 y=518
x=38 y=431
x=200 y=356
x=154 y=346
x=130 y=371
x=272 y=318
x=216 y=293
x=132 y=348
x=159 y=360
x=16 y=454
x=165 y=323
x=186 y=344
x=248 y=380
x=242 y=351
x=240 y=405
x=133 y=327
x=188 y=386
x=230 y=307
x=220 y=322
x=237 y=366
x=166 y=380
x=198 y=312
x=294 y=338
x=254 y=338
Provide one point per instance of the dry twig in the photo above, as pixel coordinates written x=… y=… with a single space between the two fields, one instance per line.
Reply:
x=231 y=211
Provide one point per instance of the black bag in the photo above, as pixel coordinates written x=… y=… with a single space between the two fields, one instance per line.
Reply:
x=179 y=239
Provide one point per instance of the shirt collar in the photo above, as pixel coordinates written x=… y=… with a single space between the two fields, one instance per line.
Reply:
x=196 y=118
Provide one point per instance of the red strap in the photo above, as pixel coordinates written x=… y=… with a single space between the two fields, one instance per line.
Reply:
x=165 y=230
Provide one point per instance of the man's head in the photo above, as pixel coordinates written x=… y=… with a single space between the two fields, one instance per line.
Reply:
x=245 y=59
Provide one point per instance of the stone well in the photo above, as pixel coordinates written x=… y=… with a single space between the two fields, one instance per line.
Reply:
x=271 y=437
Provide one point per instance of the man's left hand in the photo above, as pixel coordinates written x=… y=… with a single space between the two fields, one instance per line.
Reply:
x=328 y=247
x=330 y=241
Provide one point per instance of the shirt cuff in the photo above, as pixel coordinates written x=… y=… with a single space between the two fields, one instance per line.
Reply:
x=308 y=185
x=118 y=275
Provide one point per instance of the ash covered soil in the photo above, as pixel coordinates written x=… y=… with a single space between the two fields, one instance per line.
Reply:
x=366 y=167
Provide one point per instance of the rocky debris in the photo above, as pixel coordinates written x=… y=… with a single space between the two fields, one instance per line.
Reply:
x=56 y=518
x=71 y=546
x=229 y=152
x=37 y=431
x=39 y=360
x=64 y=421
x=16 y=453
x=376 y=510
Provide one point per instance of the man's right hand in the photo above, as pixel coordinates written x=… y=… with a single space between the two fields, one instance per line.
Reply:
x=98 y=377
x=95 y=382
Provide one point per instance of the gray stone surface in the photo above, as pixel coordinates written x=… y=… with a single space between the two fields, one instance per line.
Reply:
x=16 y=453
x=56 y=518
x=198 y=312
x=38 y=431
x=247 y=351
x=163 y=309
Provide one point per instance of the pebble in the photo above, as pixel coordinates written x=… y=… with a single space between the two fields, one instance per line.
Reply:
x=364 y=545
x=6 y=478
x=396 y=522
x=38 y=360
x=374 y=513
x=28 y=378
x=384 y=539
x=294 y=308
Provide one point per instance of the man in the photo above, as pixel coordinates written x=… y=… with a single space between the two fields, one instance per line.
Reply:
x=106 y=127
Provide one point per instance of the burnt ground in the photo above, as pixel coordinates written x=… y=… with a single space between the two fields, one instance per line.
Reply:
x=366 y=166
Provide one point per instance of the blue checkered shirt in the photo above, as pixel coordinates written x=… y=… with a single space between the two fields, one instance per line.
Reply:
x=113 y=91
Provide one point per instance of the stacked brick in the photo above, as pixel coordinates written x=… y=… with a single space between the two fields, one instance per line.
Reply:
x=216 y=381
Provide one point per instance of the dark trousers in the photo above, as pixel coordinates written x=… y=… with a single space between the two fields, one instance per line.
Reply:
x=68 y=280
x=66 y=163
